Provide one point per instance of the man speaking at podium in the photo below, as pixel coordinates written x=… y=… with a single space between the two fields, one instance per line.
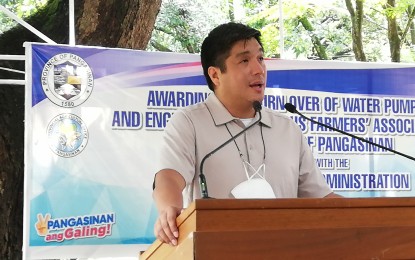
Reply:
x=270 y=158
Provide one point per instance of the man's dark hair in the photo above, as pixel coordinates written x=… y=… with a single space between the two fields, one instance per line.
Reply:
x=217 y=45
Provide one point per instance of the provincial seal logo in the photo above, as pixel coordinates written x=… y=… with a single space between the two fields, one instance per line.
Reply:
x=67 y=80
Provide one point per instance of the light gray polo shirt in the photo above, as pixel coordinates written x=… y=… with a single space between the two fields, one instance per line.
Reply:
x=196 y=130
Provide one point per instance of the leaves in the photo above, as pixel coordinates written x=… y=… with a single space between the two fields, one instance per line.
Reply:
x=21 y=8
x=182 y=25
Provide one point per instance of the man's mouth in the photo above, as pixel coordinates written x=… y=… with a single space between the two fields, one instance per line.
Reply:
x=256 y=85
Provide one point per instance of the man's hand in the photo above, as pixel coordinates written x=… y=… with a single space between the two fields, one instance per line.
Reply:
x=165 y=228
x=167 y=194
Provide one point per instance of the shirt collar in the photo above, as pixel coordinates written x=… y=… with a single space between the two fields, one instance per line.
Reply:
x=222 y=116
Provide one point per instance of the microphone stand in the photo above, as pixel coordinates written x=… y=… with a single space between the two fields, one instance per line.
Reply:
x=202 y=178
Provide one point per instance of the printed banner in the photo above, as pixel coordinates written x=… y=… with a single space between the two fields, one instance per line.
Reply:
x=94 y=119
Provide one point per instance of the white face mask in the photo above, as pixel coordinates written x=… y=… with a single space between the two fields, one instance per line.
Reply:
x=253 y=187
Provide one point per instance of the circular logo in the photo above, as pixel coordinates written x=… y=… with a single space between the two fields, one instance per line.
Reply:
x=67 y=135
x=67 y=80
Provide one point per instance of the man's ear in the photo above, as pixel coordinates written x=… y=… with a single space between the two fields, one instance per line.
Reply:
x=214 y=74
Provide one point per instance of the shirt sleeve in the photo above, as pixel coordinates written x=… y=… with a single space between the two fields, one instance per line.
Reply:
x=178 y=148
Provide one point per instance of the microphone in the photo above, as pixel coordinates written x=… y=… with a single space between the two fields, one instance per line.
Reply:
x=291 y=108
x=203 y=184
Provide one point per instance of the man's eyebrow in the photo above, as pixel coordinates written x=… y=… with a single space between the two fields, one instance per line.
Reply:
x=248 y=52
x=242 y=53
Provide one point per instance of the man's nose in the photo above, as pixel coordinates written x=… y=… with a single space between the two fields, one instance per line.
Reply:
x=258 y=68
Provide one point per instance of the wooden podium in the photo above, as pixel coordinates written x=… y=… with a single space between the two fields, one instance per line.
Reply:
x=332 y=228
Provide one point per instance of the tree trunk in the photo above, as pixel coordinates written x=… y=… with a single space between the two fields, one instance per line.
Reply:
x=108 y=23
x=412 y=38
x=412 y=30
x=356 y=16
x=11 y=171
x=318 y=46
x=112 y=24
x=393 y=34
x=411 y=27
x=231 y=10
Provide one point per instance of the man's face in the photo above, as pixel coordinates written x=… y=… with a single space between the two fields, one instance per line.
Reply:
x=244 y=79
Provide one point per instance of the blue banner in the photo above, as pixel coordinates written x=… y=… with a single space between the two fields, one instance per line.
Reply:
x=95 y=117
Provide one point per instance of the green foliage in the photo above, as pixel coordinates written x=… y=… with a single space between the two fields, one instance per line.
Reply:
x=305 y=22
x=266 y=21
x=308 y=25
x=182 y=25
x=21 y=8
x=403 y=12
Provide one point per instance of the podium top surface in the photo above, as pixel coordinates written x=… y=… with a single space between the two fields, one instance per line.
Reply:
x=201 y=204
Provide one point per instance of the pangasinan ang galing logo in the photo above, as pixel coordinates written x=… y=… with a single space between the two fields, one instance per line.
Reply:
x=67 y=80
x=74 y=227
